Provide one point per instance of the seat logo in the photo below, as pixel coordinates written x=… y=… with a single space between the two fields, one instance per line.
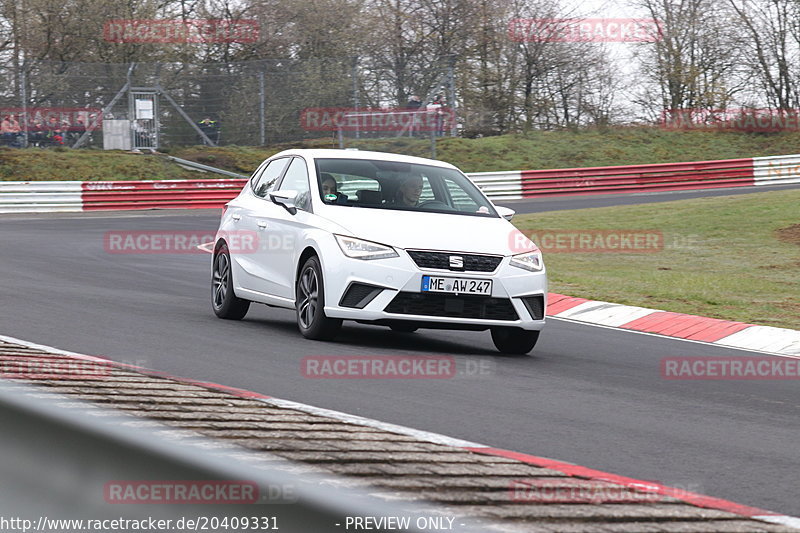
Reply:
x=456 y=261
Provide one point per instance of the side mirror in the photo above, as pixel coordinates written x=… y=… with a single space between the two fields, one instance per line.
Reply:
x=505 y=212
x=286 y=199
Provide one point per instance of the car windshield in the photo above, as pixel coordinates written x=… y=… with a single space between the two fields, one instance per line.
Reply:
x=377 y=184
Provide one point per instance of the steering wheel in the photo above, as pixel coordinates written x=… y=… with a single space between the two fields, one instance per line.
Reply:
x=435 y=204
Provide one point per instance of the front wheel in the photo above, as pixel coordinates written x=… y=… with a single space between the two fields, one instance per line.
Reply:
x=514 y=340
x=224 y=302
x=310 y=304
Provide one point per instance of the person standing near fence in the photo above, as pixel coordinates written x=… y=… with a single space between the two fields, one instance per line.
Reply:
x=54 y=134
x=414 y=104
x=38 y=134
x=77 y=130
x=5 y=130
x=437 y=106
x=10 y=130
x=210 y=128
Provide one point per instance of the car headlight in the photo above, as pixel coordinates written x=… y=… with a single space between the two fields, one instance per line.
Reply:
x=529 y=261
x=360 y=249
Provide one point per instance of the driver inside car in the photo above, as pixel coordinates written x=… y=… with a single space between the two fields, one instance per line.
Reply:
x=407 y=195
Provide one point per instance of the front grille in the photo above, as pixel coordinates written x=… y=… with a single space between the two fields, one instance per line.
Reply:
x=432 y=304
x=358 y=295
x=441 y=260
x=535 y=306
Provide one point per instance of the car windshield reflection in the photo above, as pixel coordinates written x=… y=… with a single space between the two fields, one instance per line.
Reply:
x=376 y=184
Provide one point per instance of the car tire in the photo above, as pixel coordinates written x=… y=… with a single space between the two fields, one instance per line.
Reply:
x=223 y=300
x=310 y=304
x=403 y=328
x=514 y=340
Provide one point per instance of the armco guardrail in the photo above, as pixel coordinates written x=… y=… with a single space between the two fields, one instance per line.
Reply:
x=34 y=196
x=638 y=178
x=58 y=460
x=172 y=194
x=499 y=185
x=776 y=170
x=40 y=196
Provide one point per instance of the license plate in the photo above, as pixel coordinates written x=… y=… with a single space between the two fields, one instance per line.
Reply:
x=456 y=285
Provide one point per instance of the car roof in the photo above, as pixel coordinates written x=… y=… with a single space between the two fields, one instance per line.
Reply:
x=322 y=153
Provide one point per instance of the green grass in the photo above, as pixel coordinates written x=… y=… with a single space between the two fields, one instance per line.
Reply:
x=85 y=165
x=723 y=257
x=557 y=149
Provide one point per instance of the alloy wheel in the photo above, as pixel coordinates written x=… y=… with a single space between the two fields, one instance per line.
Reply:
x=308 y=297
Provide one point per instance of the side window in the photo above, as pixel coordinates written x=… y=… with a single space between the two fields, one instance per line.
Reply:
x=256 y=176
x=427 y=191
x=296 y=179
x=266 y=181
x=461 y=200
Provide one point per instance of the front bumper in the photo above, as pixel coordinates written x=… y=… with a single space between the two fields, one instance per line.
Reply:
x=396 y=294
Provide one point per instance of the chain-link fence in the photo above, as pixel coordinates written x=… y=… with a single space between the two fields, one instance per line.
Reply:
x=154 y=105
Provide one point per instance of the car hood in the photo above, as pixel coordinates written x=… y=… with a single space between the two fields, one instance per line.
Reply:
x=428 y=231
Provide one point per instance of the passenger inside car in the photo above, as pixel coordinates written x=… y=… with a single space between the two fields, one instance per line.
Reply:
x=328 y=184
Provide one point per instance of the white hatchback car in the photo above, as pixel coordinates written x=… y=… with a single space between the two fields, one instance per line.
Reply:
x=381 y=239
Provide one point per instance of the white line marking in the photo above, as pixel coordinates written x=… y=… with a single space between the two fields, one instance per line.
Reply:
x=426 y=436
x=784 y=520
x=766 y=338
x=53 y=350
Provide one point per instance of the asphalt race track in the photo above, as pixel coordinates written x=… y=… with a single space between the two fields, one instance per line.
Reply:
x=588 y=395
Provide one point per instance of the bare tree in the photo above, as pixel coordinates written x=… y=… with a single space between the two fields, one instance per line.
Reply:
x=694 y=63
x=772 y=28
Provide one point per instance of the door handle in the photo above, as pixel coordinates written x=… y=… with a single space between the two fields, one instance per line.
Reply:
x=236 y=217
x=262 y=224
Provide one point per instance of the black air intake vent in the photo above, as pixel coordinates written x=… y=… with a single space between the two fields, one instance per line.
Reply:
x=445 y=305
x=535 y=306
x=358 y=295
